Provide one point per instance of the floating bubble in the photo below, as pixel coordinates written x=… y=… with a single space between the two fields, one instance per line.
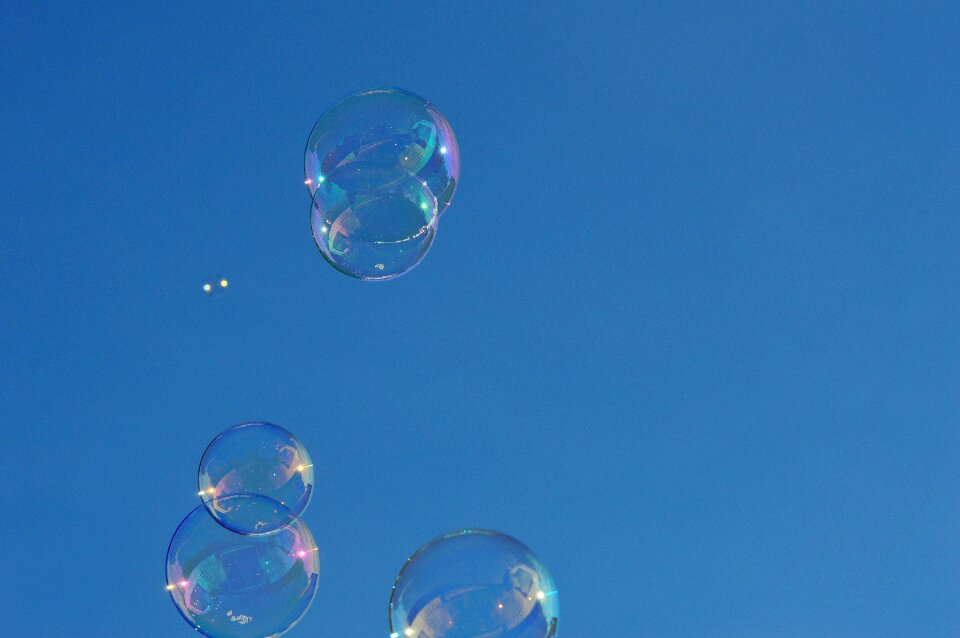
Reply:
x=261 y=459
x=378 y=233
x=377 y=137
x=382 y=166
x=215 y=285
x=229 y=585
x=474 y=584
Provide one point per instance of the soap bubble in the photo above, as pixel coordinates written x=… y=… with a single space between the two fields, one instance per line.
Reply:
x=379 y=137
x=382 y=166
x=474 y=584
x=255 y=458
x=377 y=233
x=229 y=585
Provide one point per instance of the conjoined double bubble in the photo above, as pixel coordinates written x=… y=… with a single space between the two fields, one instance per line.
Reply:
x=474 y=584
x=243 y=564
x=381 y=166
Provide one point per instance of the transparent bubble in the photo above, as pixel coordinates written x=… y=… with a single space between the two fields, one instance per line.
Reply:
x=376 y=233
x=382 y=166
x=229 y=585
x=474 y=584
x=261 y=459
x=378 y=137
x=213 y=286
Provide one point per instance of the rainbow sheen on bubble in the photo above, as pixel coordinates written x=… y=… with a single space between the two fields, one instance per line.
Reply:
x=229 y=585
x=474 y=584
x=378 y=233
x=381 y=166
x=260 y=459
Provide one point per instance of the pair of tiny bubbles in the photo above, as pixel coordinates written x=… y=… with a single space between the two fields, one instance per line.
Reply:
x=215 y=286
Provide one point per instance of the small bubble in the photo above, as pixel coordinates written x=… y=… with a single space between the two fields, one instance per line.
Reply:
x=213 y=286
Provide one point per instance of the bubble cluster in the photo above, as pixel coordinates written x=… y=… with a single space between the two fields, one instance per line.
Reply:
x=243 y=564
x=474 y=584
x=381 y=166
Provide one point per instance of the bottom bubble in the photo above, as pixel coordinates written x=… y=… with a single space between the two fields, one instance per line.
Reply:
x=474 y=584
x=374 y=234
x=229 y=585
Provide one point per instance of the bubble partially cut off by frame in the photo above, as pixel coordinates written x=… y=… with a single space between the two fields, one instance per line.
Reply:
x=474 y=583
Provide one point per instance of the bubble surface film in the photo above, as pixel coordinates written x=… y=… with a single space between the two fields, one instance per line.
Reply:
x=229 y=585
x=261 y=459
x=374 y=234
x=381 y=166
x=474 y=584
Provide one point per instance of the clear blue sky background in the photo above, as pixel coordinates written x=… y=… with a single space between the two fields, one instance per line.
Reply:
x=690 y=329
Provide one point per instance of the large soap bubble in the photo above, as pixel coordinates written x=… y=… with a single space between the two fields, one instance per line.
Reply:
x=255 y=458
x=382 y=166
x=474 y=584
x=229 y=585
x=377 y=137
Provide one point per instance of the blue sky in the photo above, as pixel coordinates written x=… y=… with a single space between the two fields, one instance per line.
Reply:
x=689 y=330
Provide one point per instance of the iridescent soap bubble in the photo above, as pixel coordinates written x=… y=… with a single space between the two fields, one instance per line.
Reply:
x=255 y=458
x=474 y=584
x=375 y=138
x=229 y=585
x=382 y=166
x=377 y=233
